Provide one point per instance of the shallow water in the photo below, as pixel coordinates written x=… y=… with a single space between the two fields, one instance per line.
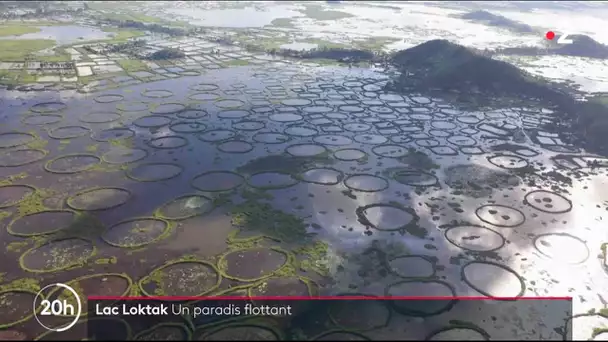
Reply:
x=386 y=179
x=67 y=34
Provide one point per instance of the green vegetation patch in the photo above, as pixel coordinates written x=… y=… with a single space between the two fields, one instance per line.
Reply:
x=18 y=49
x=317 y=12
x=17 y=30
x=132 y=65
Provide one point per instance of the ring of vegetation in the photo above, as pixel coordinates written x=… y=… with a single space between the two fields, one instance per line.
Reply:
x=271 y=138
x=466 y=280
x=54 y=133
x=204 y=87
x=40 y=155
x=353 y=334
x=246 y=147
x=132 y=107
x=400 y=176
x=216 y=135
x=160 y=211
x=223 y=264
x=154 y=142
x=118 y=133
x=189 y=73
x=173 y=108
x=135 y=154
x=426 y=258
x=11 y=226
x=47 y=119
x=164 y=233
x=420 y=313
x=71 y=200
x=376 y=189
x=479 y=211
x=249 y=125
x=56 y=292
x=156 y=93
x=203 y=333
x=40 y=107
x=30 y=137
x=187 y=127
x=536 y=239
x=130 y=175
x=152 y=333
x=339 y=177
x=157 y=121
x=237 y=184
x=472 y=236
x=192 y=114
x=546 y=209
x=157 y=276
x=322 y=150
x=72 y=262
x=48 y=335
x=204 y=96
x=109 y=98
x=27 y=316
x=48 y=166
x=100 y=117
x=354 y=310
x=30 y=192
x=478 y=330
x=362 y=217
x=338 y=154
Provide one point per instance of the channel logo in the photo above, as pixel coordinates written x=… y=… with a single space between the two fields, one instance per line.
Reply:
x=59 y=307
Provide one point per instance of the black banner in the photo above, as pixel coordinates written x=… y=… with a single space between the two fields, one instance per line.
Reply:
x=323 y=319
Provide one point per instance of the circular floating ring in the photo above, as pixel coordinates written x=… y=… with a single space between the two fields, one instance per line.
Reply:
x=48 y=225
x=203 y=87
x=204 y=96
x=249 y=263
x=436 y=333
x=229 y=103
x=109 y=98
x=548 y=202
x=168 y=142
x=318 y=175
x=93 y=159
x=156 y=93
x=300 y=131
x=248 y=125
x=216 y=135
x=413 y=177
x=74 y=283
x=413 y=265
x=105 y=329
x=475 y=238
x=187 y=127
x=100 y=117
x=350 y=154
x=180 y=332
x=233 y=114
x=23 y=157
x=53 y=261
x=285 y=117
x=192 y=114
x=423 y=308
x=285 y=180
x=408 y=217
x=332 y=140
x=120 y=156
x=509 y=162
x=15 y=139
x=188 y=206
x=271 y=138
x=195 y=278
x=189 y=73
x=140 y=236
x=366 y=182
x=68 y=132
x=41 y=119
x=205 y=333
x=489 y=214
x=213 y=181
x=168 y=108
x=340 y=335
x=463 y=275
x=152 y=121
x=306 y=150
x=132 y=107
x=235 y=146
x=563 y=251
x=103 y=193
x=175 y=170
x=48 y=107
x=7 y=190
x=25 y=315
x=113 y=134
x=390 y=151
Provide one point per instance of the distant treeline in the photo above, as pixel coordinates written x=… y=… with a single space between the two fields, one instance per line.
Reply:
x=132 y=24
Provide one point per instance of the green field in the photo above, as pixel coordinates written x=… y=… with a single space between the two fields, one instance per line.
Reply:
x=18 y=49
x=17 y=30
